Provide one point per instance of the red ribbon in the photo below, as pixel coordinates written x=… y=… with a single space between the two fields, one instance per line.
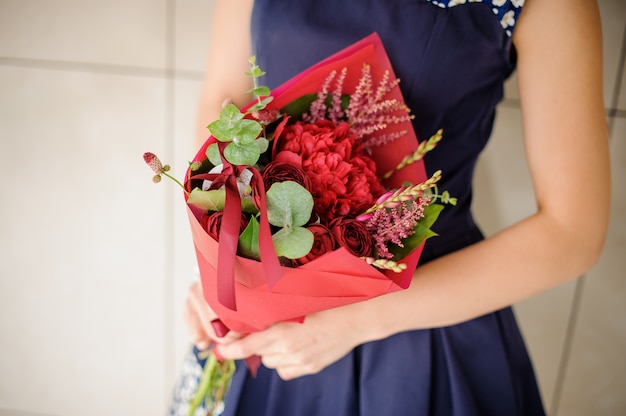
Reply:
x=229 y=230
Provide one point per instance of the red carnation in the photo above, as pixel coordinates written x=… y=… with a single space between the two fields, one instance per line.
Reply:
x=343 y=178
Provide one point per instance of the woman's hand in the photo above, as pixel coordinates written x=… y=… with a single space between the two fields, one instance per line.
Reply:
x=298 y=349
x=198 y=316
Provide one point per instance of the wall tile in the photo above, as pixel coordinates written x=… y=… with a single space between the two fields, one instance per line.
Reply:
x=621 y=97
x=613 y=14
x=187 y=93
x=82 y=228
x=115 y=32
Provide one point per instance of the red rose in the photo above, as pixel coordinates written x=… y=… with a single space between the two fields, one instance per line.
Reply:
x=212 y=223
x=353 y=236
x=323 y=243
x=281 y=172
x=343 y=178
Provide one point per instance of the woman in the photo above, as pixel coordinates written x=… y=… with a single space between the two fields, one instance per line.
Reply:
x=448 y=345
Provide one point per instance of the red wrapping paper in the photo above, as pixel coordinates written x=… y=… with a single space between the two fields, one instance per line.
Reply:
x=336 y=278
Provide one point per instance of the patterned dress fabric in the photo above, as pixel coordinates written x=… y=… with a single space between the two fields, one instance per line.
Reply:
x=452 y=57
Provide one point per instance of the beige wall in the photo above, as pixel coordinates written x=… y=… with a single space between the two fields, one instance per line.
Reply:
x=95 y=259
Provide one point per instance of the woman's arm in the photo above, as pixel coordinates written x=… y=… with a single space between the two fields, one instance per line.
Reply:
x=560 y=79
x=228 y=61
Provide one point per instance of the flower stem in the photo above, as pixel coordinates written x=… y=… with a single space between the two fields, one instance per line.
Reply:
x=204 y=386
x=175 y=180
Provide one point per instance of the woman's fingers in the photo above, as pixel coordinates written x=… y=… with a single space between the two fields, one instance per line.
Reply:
x=198 y=316
x=197 y=333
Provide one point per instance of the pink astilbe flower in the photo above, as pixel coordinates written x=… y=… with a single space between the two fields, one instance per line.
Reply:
x=318 y=108
x=335 y=112
x=381 y=139
x=392 y=225
x=368 y=112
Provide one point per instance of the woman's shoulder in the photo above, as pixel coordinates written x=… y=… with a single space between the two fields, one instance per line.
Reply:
x=506 y=11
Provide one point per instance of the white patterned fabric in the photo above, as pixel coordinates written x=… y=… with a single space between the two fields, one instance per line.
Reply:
x=507 y=11
x=186 y=387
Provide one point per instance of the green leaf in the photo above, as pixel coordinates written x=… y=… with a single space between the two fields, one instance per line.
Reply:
x=288 y=204
x=422 y=233
x=263 y=144
x=214 y=200
x=207 y=200
x=431 y=213
x=213 y=154
x=249 y=240
x=224 y=128
x=231 y=114
x=242 y=155
x=221 y=130
x=262 y=104
x=246 y=131
x=299 y=106
x=261 y=91
x=302 y=105
x=293 y=242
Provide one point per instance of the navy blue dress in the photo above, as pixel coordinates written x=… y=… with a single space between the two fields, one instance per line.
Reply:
x=452 y=62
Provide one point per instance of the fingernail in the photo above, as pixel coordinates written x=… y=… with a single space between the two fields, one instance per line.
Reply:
x=202 y=345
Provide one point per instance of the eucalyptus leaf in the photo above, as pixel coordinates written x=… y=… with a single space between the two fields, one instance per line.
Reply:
x=213 y=154
x=262 y=104
x=231 y=114
x=261 y=91
x=288 y=204
x=224 y=128
x=255 y=72
x=242 y=155
x=263 y=144
x=246 y=131
x=215 y=199
x=249 y=240
x=293 y=242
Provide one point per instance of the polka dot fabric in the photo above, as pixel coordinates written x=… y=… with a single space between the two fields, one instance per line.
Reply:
x=507 y=11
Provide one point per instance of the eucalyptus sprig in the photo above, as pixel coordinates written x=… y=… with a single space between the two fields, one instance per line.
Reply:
x=243 y=135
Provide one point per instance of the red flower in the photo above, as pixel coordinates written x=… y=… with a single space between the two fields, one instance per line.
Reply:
x=212 y=223
x=323 y=243
x=281 y=171
x=343 y=178
x=353 y=236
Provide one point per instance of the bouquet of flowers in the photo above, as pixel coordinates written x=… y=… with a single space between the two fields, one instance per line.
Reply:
x=311 y=197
